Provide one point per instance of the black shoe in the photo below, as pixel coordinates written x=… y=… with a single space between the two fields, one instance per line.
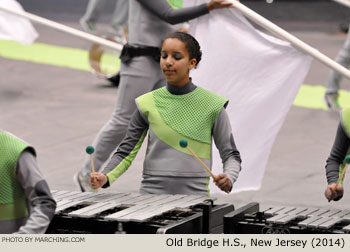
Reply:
x=332 y=102
x=344 y=28
x=114 y=79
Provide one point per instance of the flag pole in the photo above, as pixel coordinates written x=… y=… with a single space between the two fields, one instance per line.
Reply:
x=343 y=2
x=64 y=28
x=292 y=39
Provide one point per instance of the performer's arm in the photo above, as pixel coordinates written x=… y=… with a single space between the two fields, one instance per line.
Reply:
x=40 y=201
x=340 y=147
x=339 y=150
x=230 y=156
x=164 y=11
x=126 y=152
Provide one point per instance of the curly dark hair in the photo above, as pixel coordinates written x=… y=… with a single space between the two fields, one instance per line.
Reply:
x=192 y=45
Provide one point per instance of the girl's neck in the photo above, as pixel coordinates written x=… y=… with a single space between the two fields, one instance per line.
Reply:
x=180 y=90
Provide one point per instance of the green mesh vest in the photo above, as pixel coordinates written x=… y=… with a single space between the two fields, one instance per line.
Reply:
x=12 y=197
x=346 y=123
x=190 y=116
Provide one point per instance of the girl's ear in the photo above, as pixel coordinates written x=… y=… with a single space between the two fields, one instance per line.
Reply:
x=193 y=63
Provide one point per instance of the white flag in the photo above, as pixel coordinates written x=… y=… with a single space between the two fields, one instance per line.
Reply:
x=13 y=27
x=259 y=74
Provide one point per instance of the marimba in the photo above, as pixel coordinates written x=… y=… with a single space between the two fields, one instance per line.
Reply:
x=284 y=220
x=105 y=213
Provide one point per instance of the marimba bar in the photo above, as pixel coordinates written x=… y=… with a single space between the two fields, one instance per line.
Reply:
x=282 y=219
x=88 y=212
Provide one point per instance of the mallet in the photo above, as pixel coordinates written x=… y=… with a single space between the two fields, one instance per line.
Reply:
x=184 y=144
x=89 y=150
x=347 y=161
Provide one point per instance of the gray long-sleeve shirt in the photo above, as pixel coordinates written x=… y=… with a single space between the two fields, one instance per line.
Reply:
x=150 y=21
x=223 y=138
x=340 y=147
x=41 y=205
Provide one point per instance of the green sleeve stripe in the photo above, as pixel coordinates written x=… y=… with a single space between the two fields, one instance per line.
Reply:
x=342 y=166
x=167 y=134
x=346 y=120
x=126 y=162
x=176 y=4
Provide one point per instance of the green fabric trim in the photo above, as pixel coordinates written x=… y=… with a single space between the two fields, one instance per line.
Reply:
x=207 y=186
x=13 y=211
x=176 y=4
x=346 y=123
x=167 y=134
x=126 y=162
x=192 y=115
x=346 y=120
x=341 y=168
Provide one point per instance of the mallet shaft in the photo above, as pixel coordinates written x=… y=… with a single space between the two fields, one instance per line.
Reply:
x=201 y=162
x=92 y=167
x=342 y=175
x=92 y=163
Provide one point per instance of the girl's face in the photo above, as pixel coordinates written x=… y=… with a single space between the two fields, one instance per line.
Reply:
x=175 y=62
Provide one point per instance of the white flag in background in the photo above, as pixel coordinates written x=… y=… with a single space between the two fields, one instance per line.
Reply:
x=259 y=74
x=13 y=27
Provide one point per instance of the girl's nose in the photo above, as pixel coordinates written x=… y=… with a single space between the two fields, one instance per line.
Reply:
x=169 y=61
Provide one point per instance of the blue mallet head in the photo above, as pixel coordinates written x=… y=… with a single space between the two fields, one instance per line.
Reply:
x=347 y=159
x=90 y=149
x=183 y=143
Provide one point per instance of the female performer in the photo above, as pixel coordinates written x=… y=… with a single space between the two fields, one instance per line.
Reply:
x=181 y=110
x=149 y=22
x=26 y=203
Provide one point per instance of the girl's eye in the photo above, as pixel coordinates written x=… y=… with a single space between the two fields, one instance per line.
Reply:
x=164 y=55
x=177 y=56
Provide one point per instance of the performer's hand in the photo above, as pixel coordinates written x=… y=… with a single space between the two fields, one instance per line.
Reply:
x=97 y=180
x=334 y=192
x=219 y=4
x=223 y=182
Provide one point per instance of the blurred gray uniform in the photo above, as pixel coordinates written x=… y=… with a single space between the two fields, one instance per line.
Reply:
x=343 y=58
x=120 y=15
x=149 y=22
x=38 y=210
